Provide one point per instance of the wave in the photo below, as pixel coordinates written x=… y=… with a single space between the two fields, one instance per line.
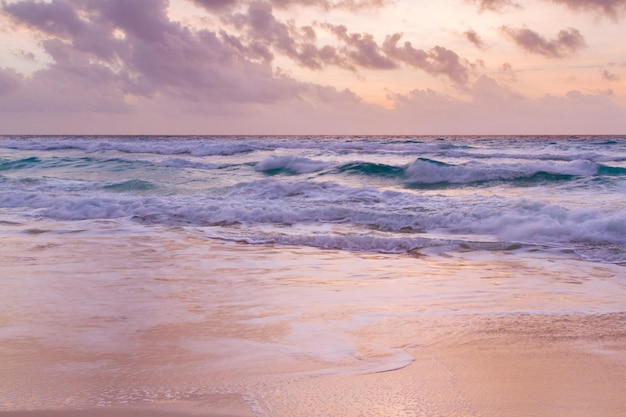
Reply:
x=87 y=163
x=130 y=186
x=422 y=173
x=428 y=172
x=184 y=163
x=197 y=147
x=523 y=154
x=372 y=169
x=342 y=193
x=365 y=243
x=290 y=165
x=610 y=171
x=330 y=215
x=8 y=165
x=599 y=150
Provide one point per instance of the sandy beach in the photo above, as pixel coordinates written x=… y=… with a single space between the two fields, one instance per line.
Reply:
x=505 y=366
x=113 y=321
x=513 y=365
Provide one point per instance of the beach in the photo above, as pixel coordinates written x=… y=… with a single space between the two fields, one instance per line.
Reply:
x=502 y=370
x=133 y=323
x=312 y=276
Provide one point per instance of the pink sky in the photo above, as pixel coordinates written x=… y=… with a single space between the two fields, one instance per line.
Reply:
x=312 y=67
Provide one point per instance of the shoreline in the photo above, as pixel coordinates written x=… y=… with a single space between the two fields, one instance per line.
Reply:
x=165 y=323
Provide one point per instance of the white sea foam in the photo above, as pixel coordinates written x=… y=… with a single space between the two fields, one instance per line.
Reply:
x=367 y=199
x=371 y=220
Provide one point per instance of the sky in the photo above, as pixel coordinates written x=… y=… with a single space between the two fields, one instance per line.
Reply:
x=208 y=67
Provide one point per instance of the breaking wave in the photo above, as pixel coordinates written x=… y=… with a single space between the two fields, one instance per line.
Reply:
x=340 y=217
x=376 y=194
x=427 y=171
x=290 y=165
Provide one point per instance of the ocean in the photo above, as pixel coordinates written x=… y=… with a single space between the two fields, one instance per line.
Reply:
x=366 y=194
x=155 y=269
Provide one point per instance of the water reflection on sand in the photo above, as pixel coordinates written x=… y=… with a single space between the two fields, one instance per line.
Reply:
x=118 y=316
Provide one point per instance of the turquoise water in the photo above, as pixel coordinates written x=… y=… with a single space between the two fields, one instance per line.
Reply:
x=372 y=194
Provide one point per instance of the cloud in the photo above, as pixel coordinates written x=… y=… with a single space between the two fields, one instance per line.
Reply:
x=114 y=55
x=352 y=5
x=264 y=33
x=93 y=69
x=10 y=81
x=361 y=48
x=611 y=8
x=609 y=76
x=120 y=66
x=567 y=42
x=474 y=38
x=25 y=55
x=436 y=61
x=57 y=18
x=493 y=5
x=261 y=31
x=216 y=5
x=495 y=109
x=506 y=72
x=490 y=108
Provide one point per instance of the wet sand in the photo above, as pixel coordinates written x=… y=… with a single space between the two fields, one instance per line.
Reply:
x=484 y=366
x=120 y=412
x=127 y=324
x=516 y=366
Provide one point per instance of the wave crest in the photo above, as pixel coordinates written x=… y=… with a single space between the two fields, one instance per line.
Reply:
x=290 y=165
x=427 y=171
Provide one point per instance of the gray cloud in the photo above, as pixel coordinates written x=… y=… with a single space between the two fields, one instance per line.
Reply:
x=610 y=8
x=494 y=109
x=567 y=42
x=57 y=18
x=263 y=32
x=609 y=76
x=493 y=5
x=10 y=81
x=156 y=57
x=361 y=48
x=216 y=5
x=353 y=5
x=108 y=55
x=436 y=61
x=25 y=55
x=506 y=72
x=474 y=38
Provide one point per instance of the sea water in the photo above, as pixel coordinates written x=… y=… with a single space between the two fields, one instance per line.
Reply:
x=366 y=194
x=168 y=268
